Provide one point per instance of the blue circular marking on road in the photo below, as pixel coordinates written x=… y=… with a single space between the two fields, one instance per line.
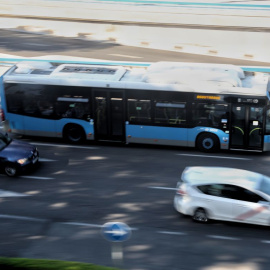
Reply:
x=116 y=231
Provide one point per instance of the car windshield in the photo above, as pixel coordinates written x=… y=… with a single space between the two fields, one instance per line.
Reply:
x=4 y=141
x=265 y=185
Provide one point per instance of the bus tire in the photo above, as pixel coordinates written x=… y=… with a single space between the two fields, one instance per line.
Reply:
x=74 y=134
x=208 y=142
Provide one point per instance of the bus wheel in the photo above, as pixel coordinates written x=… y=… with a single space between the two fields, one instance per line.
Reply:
x=74 y=134
x=208 y=142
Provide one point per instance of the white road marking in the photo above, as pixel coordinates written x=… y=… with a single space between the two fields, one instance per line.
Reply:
x=163 y=188
x=5 y=193
x=22 y=218
x=88 y=225
x=172 y=233
x=82 y=224
x=265 y=241
x=37 y=44
x=64 y=146
x=190 y=155
x=223 y=237
x=127 y=56
x=46 y=160
x=36 y=177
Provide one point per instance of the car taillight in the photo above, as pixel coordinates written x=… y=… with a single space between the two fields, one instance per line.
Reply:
x=2 y=115
x=181 y=192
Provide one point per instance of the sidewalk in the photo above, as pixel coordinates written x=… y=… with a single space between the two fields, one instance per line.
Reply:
x=226 y=32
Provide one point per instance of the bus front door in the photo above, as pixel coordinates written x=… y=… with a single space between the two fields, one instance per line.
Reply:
x=109 y=115
x=246 y=127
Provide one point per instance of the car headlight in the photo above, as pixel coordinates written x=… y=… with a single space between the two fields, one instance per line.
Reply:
x=22 y=160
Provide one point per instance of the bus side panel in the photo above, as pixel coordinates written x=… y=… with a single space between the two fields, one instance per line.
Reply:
x=14 y=123
x=156 y=135
x=266 y=145
x=39 y=126
x=88 y=127
x=222 y=136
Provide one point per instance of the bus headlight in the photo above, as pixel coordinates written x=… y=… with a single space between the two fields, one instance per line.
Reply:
x=22 y=161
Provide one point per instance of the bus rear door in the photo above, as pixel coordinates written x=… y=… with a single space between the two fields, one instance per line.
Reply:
x=246 y=131
x=109 y=115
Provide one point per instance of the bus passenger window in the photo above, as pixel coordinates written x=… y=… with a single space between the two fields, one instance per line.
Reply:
x=170 y=113
x=73 y=108
x=210 y=114
x=267 y=122
x=139 y=111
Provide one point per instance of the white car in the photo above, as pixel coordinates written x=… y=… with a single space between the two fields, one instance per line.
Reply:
x=224 y=194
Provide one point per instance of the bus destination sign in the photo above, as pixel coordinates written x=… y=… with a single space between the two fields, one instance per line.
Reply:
x=208 y=97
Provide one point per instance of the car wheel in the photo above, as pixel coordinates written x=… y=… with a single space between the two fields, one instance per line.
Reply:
x=74 y=134
x=208 y=142
x=200 y=216
x=11 y=169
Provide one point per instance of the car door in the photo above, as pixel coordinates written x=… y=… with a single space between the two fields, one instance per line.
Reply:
x=217 y=201
x=250 y=207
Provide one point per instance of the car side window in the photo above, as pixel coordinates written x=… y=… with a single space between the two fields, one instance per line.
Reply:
x=248 y=196
x=213 y=190
x=219 y=190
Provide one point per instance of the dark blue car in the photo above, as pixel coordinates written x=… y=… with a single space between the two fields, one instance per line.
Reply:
x=16 y=156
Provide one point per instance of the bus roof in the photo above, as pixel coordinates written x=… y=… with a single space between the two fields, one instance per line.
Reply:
x=171 y=76
x=3 y=69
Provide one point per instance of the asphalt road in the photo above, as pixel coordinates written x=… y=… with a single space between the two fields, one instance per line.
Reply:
x=30 y=45
x=76 y=190
x=57 y=211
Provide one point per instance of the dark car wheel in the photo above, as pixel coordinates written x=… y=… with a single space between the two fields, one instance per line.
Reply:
x=11 y=169
x=200 y=216
x=74 y=134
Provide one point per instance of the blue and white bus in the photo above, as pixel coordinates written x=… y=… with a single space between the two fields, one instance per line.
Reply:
x=207 y=106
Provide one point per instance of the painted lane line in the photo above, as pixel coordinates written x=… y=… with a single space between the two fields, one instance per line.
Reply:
x=172 y=233
x=88 y=225
x=82 y=224
x=36 y=44
x=190 y=155
x=46 y=160
x=37 y=177
x=265 y=241
x=5 y=193
x=123 y=55
x=64 y=146
x=22 y=218
x=163 y=188
x=223 y=237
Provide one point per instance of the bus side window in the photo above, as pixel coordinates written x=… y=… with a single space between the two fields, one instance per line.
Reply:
x=171 y=113
x=139 y=111
x=267 y=122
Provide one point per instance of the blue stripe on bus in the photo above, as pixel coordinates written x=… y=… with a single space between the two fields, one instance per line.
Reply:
x=174 y=133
